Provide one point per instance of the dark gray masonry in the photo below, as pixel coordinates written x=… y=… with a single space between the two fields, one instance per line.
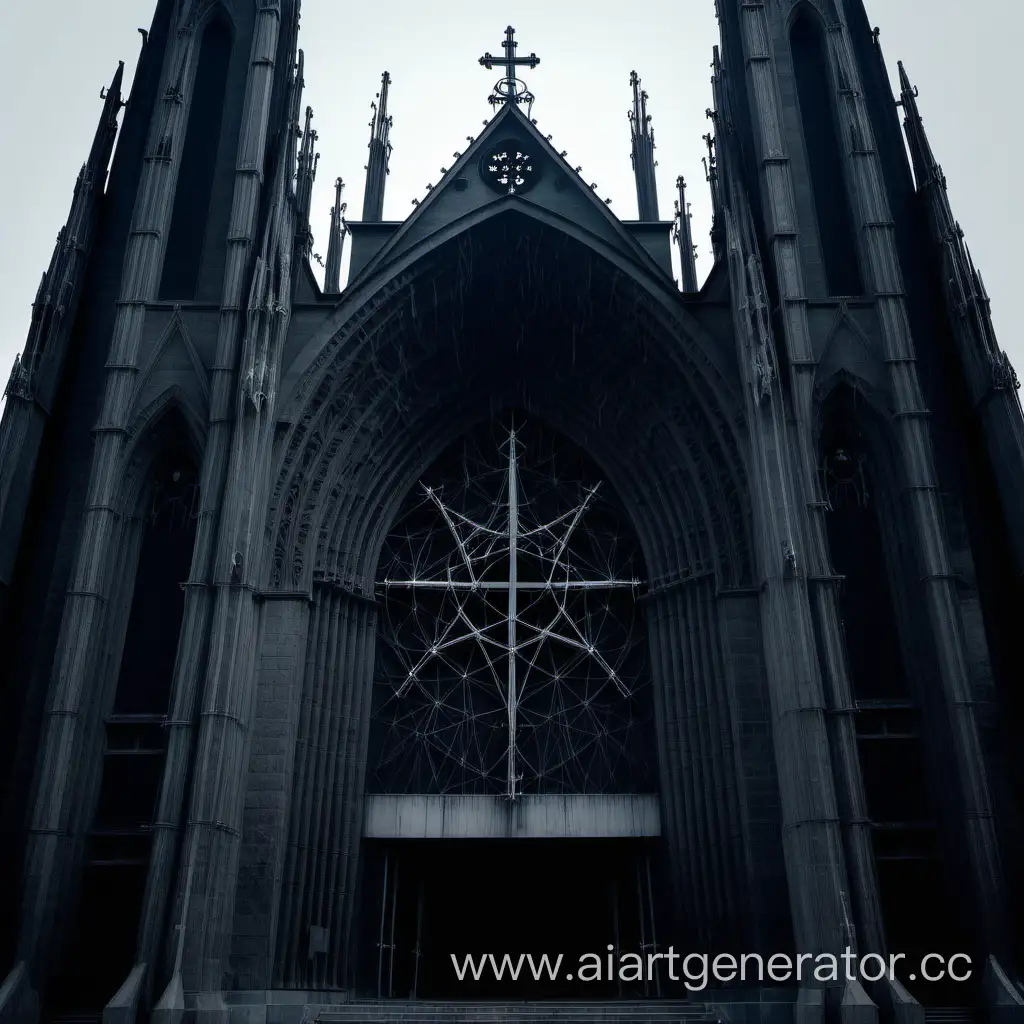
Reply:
x=509 y=593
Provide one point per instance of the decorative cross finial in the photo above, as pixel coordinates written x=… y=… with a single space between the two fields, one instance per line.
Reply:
x=510 y=89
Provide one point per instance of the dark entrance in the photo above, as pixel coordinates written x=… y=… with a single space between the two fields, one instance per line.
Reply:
x=117 y=847
x=427 y=900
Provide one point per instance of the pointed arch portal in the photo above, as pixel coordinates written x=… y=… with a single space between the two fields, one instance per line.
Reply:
x=512 y=699
x=510 y=658
x=526 y=541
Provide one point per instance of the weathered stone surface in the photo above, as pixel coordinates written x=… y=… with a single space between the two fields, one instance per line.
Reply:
x=257 y=897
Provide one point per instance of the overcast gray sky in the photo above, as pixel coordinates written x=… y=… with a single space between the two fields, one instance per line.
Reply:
x=55 y=56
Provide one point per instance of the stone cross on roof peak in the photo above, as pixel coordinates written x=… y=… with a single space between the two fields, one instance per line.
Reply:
x=510 y=89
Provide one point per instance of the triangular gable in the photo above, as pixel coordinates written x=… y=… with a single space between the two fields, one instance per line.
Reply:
x=847 y=348
x=174 y=363
x=463 y=191
x=844 y=320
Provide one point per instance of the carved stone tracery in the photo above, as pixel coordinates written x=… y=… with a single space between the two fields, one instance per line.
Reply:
x=386 y=383
x=510 y=657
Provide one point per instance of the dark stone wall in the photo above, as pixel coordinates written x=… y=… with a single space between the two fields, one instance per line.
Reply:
x=58 y=494
x=268 y=790
x=769 y=923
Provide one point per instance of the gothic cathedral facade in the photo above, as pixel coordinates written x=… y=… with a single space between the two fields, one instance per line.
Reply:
x=512 y=588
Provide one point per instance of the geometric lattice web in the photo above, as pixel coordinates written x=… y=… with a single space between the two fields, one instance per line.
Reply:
x=511 y=655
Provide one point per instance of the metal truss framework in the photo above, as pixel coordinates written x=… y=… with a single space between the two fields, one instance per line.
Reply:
x=511 y=658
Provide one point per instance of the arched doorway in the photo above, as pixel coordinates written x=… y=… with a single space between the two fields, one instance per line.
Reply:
x=512 y=767
x=513 y=314
x=894 y=699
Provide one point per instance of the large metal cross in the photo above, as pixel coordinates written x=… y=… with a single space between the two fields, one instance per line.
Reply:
x=562 y=629
x=507 y=89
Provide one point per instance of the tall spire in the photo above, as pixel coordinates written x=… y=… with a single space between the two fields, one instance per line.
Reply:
x=295 y=87
x=56 y=293
x=306 y=165
x=643 y=153
x=684 y=238
x=926 y=167
x=964 y=287
x=712 y=170
x=103 y=140
x=300 y=139
x=332 y=270
x=380 y=154
x=991 y=381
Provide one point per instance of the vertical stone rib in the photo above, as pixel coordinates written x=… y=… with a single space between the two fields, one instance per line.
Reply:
x=715 y=794
x=722 y=793
x=331 y=853
x=738 y=612
x=665 y=678
x=733 y=820
x=174 y=782
x=309 y=851
x=811 y=838
x=124 y=582
x=690 y=838
x=312 y=796
x=669 y=769
x=914 y=442
x=81 y=631
x=327 y=854
x=359 y=670
x=333 y=909
x=712 y=793
x=213 y=830
x=866 y=901
x=326 y=825
x=291 y=891
x=781 y=212
x=693 y=713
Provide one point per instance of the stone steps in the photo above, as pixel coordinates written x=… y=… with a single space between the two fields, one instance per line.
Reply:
x=949 y=1015
x=396 y=1011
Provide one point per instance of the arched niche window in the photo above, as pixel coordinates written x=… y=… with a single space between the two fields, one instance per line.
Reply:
x=158 y=600
x=849 y=472
x=118 y=844
x=511 y=657
x=868 y=545
x=825 y=164
x=184 y=252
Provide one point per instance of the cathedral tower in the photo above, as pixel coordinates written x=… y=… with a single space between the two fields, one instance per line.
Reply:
x=509 y=587
x=891 y=399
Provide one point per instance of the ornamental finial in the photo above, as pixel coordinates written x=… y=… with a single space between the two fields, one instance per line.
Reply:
x=510 y=89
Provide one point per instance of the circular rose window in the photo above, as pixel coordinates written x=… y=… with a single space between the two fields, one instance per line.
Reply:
x=510 y=166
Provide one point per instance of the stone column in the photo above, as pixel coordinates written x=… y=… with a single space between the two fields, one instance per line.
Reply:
x=199 y=594
x=269 y=788
x=782 y=230
x=322 y=861
x=762 y=861
x=82 y=631
x=674 y=784
x=812 y=840
x=914 y=447
x=698 y=770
